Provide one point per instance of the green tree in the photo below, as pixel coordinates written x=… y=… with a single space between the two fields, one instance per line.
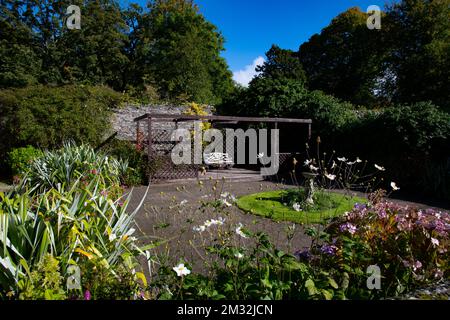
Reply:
x=345 y=58
x=185 y=53
x=281 y=63
x=19 y=65
x=418 y=33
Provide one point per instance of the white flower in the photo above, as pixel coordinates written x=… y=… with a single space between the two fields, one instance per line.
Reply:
x=228 y=196
x=343 y=159
x=435 y=242
x=199 y=229
x=394 y=186
x=225 y=202
x=181 y=270
x=112 y=237
x=297 y=207
x=240 y=232
x=130 y=232
x=260 y=155
x=330 y=176
x=308 y=162
x=208 y=223
x=334 y=165
x=313 y=168
x=380 y=168
x=239 y=255
x=184 y=202
x=218 y=222
x=358 y=160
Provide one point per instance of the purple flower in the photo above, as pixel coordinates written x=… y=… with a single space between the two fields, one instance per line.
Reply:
x=87 y=295
x=417 y=265
x=360 y=206
x=329 y=250
x=350 y=228
x=382 y=214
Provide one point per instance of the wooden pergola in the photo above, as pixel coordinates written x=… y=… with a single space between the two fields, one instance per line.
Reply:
x=150 y=119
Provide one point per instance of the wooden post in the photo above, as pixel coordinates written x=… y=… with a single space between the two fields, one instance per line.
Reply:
x=150 y=145
x=138 y=133
x=309 y=131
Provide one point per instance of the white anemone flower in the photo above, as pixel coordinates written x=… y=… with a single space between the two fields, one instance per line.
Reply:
x=308 y=162
x=358 y=160
x=181 y=270
x=226 y=203
x=343 y=159
x=394 y=186
x=218 y=222
x=199 y=229
x=313 y=168
x=239 y=255
x=297 y=207
x=240 y=232
x=112 y=237
x=260 y=155
x=330 y=176
x=435 y=242
x=208 y=223
x=380 y=168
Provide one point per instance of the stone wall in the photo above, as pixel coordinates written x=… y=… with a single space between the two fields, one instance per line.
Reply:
x=123 y=118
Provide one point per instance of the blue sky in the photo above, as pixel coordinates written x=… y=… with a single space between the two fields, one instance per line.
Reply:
x=250 y=27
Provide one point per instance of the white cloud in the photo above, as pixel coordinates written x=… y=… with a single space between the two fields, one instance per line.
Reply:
x=246 y=75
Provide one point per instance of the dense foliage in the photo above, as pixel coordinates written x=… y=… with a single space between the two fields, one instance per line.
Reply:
x=68 y=212
x=168 y=47
x=45 y=117
x=406 y=61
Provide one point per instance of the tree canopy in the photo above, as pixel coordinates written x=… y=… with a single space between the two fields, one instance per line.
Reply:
x=168 y=45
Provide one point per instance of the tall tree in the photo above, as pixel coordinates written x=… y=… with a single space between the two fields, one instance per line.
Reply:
x=419 y=37
x=281 y=63
x=185 y=53
x=345 y=58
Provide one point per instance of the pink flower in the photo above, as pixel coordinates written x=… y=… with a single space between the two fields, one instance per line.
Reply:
x=417 y=265
x=87 y=295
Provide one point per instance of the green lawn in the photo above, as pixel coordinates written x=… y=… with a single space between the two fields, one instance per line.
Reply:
x=269 y=205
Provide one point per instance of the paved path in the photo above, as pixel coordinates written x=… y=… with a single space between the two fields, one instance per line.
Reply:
x=162 y=217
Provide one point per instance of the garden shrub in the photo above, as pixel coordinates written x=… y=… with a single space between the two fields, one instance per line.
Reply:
x=410 y=246
x=413 y=141
x=19 y=159
x=44 y=282
x=60 y=169
x=86 y=226
x=137 y=173
x=45 y=117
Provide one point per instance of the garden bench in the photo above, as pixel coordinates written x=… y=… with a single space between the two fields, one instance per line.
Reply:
x=218 y=160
